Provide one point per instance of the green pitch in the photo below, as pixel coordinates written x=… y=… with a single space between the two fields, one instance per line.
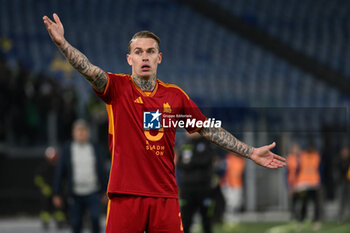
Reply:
x=288 y=227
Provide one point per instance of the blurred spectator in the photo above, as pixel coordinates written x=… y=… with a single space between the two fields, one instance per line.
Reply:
x=17 y=97
x=67 y=111
x=82 y=166
x=198 y=180
x=344 y=170
x=220 y=171
x=29 y=98
x=308 y=182
x=232 y=187
x=5 y=75
x=293 y=163
x=43 y=180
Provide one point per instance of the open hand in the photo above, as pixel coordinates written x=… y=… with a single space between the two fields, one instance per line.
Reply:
x=264 y=157
x=55 y=29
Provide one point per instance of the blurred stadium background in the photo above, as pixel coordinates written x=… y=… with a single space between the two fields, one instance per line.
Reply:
x=273 y=70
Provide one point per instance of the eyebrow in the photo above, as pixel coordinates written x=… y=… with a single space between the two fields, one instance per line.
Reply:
x=146 y=49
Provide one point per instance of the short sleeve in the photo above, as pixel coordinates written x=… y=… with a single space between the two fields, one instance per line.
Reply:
x=111 y=91
x=193 y=114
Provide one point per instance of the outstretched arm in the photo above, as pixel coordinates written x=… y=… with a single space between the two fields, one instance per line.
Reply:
x=262 y=155
x=95 y=75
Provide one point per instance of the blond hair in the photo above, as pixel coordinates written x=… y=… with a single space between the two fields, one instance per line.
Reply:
x=144 y=34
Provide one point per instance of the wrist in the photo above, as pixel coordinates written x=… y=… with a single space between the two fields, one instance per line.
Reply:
x=252 y=153
x=60 y=43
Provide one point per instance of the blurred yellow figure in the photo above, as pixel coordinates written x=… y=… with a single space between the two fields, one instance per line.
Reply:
x=43 y=180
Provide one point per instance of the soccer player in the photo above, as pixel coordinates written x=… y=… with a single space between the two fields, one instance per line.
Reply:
x=142 y=190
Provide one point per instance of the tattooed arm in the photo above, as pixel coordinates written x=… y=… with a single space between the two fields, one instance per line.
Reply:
x=224 y=139
x=262 y=155
x=95 y=75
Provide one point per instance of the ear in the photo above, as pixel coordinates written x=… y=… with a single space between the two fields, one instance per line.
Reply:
x=160 y=55
x=128 y=58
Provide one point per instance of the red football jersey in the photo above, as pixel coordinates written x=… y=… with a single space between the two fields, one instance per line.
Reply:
x=143 y=157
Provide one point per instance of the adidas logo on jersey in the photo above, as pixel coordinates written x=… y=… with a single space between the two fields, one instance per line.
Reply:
x=138 y=100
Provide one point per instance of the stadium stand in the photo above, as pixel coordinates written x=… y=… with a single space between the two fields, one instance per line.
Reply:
x=196 y=50
x=318 y=30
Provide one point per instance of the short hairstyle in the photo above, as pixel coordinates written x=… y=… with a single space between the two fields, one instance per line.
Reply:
x=144 y=34
x=82 y=123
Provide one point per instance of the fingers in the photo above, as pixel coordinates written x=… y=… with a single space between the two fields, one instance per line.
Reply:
x=279 y=163
x=276 y=164
x=271 y=146
x=45 y=18
x=57 y=19
x=279 y=160
x=46 y=24
x=48 y=20
x=272 y=165
x=279 y=157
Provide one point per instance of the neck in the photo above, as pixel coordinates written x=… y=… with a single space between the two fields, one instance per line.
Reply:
x=145 y=84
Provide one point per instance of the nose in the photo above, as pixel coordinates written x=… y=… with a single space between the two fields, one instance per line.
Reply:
x=144 y=57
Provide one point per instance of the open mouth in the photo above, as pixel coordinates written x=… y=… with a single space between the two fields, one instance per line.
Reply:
x=145 y=68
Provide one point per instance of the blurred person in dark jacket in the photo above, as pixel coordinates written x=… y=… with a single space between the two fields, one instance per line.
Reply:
x=81 y=165
x=43 y=180
x=344 y=176
x=198 y=181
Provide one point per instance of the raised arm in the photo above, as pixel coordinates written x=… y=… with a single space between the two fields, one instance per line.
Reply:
x=95 y=75
x=262 y=155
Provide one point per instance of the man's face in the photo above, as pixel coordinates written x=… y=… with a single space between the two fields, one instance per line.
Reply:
x=80 y=134
x=144 y=57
